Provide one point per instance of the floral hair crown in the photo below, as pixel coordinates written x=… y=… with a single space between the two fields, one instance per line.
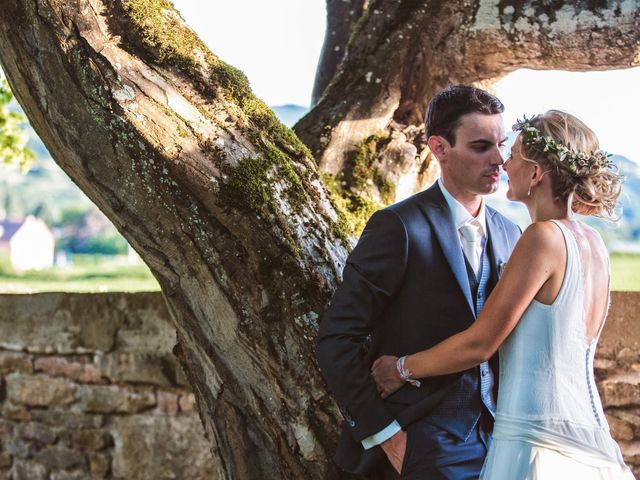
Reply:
x=577 y=161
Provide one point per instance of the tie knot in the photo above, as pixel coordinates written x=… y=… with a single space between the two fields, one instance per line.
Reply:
x=471 y=231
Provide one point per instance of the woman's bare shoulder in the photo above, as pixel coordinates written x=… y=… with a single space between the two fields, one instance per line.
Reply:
x=542 y=237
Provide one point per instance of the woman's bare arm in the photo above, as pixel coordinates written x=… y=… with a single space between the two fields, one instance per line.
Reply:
x=535 y=260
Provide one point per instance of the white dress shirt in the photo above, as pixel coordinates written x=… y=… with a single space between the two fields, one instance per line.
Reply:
x=461 y=216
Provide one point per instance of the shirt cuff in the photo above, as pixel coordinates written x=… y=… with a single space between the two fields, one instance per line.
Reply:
x=382 y=436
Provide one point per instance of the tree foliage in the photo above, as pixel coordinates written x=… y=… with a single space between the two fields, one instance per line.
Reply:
x=13 y=137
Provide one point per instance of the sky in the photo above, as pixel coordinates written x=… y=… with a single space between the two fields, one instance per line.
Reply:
x=277 y=44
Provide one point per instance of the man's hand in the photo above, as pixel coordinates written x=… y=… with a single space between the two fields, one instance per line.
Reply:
x=386 y=375
x=395 y=448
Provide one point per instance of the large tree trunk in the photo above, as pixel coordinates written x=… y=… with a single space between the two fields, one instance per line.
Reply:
x=401 y=52
x=226 y=206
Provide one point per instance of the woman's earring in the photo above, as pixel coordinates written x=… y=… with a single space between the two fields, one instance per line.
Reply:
x=529 y=191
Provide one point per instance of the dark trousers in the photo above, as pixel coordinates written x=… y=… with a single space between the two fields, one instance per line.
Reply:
x=435 y=454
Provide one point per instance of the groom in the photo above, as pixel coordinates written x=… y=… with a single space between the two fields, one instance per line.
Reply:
x=419 y=274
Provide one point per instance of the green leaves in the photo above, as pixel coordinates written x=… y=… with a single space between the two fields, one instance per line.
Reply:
x=13 y=137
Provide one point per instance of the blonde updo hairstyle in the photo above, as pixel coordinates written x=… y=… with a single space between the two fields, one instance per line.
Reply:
x=593 y=189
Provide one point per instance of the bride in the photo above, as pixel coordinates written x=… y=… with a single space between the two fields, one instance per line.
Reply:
x=545 y=315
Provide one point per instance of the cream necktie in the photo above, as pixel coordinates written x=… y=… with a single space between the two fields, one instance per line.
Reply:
x=472 y=244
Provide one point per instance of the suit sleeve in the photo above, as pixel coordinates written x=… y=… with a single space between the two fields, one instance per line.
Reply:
x=373 y=273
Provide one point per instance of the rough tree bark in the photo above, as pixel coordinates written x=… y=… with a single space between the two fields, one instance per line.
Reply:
x=341 y=17
x=226 y=206
x=401 y=52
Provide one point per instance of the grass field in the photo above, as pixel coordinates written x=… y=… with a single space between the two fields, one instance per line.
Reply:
x=89 y=273
x=625 y=272
x=99 y=274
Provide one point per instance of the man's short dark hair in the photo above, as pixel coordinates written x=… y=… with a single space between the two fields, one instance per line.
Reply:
x=446 y=108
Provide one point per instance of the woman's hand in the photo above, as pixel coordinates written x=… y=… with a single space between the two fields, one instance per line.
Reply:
x=386 y=375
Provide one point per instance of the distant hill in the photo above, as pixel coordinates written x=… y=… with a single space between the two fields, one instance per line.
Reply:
x=290 y=114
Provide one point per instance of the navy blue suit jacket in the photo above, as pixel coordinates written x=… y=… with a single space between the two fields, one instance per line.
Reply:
x=405 y=288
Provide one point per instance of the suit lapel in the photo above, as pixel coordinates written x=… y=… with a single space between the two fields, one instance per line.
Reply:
x=499 y=242
x=437 y=212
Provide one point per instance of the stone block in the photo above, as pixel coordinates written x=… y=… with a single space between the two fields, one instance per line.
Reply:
x=630 y=451
x=67 y=419
x=36 y=431
x=91 y=439
x=18 y=447
x=130 y=367
x=604 y=364
x=187 y=403
x=620 y=430
x=17 y=413
x=66 y=475
x=25 y=470
x=631 y=416
x=620 y=389
x=621 y=331
x=53 y=323
x=14 y=362
x=627 y=356
x=60 y=458
x=159 y=446
x=63 y=367
x=99 y=464
x=148 y=327
x=5 y=460
x=39 y=390
x=81 y=323
x=114 y=399
x=167 y=402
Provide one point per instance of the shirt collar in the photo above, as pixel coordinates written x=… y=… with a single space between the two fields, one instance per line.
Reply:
x=460 y=214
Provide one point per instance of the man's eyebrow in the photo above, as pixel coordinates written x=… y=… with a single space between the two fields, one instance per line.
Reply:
x=486 y=141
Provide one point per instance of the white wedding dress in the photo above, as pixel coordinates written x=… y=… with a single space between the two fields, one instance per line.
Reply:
x=549 y=420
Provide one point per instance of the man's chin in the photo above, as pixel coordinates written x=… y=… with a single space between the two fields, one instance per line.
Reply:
x=491 y=188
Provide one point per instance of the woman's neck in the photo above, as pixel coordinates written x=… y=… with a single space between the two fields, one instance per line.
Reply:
x=542 y=211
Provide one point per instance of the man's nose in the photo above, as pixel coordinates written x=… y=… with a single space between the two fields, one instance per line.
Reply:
x=496 y=158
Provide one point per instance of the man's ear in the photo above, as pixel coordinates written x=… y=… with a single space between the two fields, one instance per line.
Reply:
x=438 y=146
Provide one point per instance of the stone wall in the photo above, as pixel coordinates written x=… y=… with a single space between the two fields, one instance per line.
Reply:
x=89 y=388
x=617 y=369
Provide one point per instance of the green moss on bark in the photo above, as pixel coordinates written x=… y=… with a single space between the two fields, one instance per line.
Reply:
x=159 y=28
x=353 y=199
x=353 y=209
x=247 y=186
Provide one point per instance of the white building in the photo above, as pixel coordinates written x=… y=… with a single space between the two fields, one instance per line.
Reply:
x=30 y=243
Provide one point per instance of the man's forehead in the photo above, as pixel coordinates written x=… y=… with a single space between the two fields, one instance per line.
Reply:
x=479 y=126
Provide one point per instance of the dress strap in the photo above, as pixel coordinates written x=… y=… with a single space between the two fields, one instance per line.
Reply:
x=572 y=281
